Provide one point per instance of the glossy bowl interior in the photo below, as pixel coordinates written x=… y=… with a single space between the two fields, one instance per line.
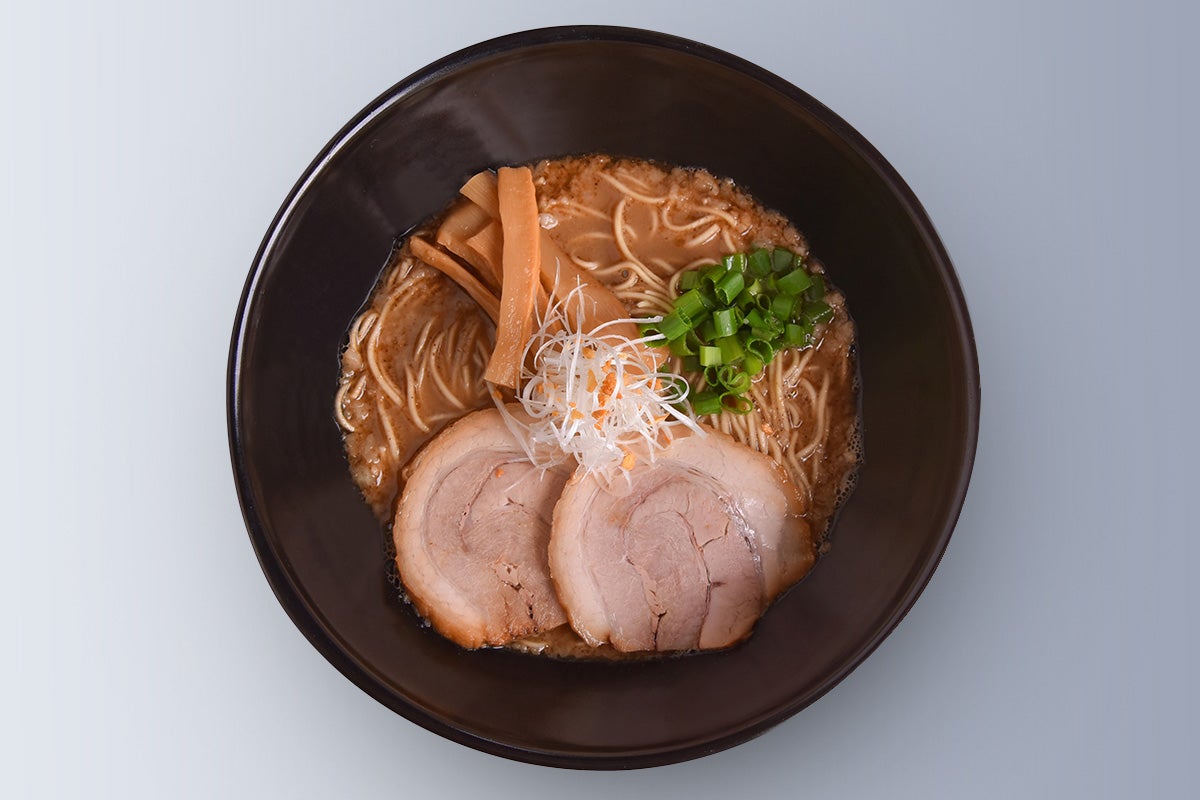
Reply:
x=570 y=91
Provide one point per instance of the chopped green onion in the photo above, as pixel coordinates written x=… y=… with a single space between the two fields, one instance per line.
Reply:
x=785 y=307
x=681 y=347
x=651 y=329
x=673 y=326
x=794 y=282
x=728 y=287
x=690 y=306
x=731 y=318
x=762 y=349
x=726 y=321
x=731 y=349
x=781 y=260
x=709 y=356
x=817 y=290
x=818 y=312
x=706 y=402
x=757 y=319
x=793 y=335
x=734 y=379
x=712 y=273
x=806 y=327
x=736 y=402
x=760 y=262
x=765 y=334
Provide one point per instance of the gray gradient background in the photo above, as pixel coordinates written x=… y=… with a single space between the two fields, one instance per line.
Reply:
x=144 y=151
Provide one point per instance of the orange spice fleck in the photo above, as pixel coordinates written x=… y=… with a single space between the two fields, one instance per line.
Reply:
x=607 y=388
x=576 y=415
x=591 y=381
x=499 y=471
x=628 y=461
x=767 y=429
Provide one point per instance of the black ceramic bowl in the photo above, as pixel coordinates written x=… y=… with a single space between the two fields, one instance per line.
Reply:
x=571 y=91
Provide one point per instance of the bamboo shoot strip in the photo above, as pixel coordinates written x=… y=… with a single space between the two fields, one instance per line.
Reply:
x=488 y=247
x=522 y=255
x=456 y=230
x=482 y=191
x=446 y=264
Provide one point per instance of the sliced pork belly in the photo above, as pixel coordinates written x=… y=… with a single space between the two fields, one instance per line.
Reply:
x=471 y=534
x=687 y=556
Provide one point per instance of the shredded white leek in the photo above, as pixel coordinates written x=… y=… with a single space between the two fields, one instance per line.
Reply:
x=594 y=396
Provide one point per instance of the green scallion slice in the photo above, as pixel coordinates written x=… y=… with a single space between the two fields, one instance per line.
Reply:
x=757 y=319
x=726 y=322
x=760 y=262
x=781 y=260
x=736 y=403
x=690 y=306
x=794 y=282
x=818 y=312
x=731 y=349
x=817 y=290
x=793 y=335
x=729 y=285
x=784 y=307
x=711 y=274
x=706 y=402
x=710 y=356
x=734 y=379
x=681 y=347
x=761 y=348
x=674 y=326
x=652 y=329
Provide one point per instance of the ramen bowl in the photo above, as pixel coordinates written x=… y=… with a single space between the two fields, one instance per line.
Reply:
x=580 y=90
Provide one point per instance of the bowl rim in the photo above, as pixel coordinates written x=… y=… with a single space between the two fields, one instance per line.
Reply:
x=294 y=599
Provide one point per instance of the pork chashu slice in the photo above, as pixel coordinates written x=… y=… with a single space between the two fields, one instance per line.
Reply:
x=686 y=556
x=471 y=534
